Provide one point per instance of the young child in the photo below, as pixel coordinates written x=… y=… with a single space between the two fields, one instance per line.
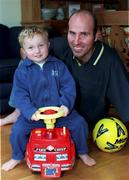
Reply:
x=39 y=81
x=11 y=118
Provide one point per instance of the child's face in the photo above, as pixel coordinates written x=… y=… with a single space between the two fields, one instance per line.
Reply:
x=36 y=48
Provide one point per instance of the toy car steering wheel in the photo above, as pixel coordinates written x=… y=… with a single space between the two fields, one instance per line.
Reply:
x=49 y=115
x=58 y=113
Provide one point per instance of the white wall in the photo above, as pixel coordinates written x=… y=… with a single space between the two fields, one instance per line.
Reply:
x=10 y=12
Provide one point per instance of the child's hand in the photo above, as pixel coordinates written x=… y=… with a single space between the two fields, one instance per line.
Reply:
x=65 y=109
x=34 y=116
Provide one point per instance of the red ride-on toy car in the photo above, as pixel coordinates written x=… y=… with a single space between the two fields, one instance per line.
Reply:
x=50 y=150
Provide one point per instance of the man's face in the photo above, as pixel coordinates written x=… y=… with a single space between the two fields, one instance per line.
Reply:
x=80 y=35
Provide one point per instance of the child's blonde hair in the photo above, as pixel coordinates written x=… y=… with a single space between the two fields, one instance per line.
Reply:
x=30 y=31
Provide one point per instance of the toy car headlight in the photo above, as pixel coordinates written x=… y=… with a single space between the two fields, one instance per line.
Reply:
x=39 y=157
x=61 y=157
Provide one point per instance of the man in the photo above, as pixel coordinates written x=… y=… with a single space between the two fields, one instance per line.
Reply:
x=100 y=76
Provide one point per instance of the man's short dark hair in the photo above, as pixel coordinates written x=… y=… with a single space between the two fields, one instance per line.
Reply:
x=91 y=14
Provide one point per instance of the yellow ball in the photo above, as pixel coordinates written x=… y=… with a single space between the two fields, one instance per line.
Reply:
x=110 y=134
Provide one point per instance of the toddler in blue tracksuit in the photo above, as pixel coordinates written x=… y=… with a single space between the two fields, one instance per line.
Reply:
x=42 y=80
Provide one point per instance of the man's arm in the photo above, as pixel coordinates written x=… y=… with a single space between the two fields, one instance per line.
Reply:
x=58 y=46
